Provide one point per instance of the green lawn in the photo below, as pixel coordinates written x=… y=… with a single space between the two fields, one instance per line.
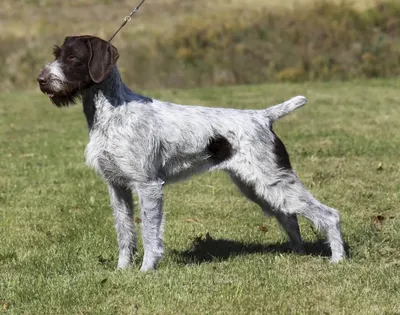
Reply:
x=58 y=250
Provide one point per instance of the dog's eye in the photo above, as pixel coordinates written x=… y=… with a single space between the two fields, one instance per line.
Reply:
x=71 y=57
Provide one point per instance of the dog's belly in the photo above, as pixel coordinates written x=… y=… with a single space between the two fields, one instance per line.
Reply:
x=179 y=162
x=176 y=169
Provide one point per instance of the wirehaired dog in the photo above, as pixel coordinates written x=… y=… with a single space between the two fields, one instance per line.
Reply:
x=139 y=143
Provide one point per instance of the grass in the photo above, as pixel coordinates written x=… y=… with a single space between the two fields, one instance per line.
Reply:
x=58 y=248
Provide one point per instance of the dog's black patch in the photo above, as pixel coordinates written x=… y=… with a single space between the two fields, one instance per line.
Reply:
x=282 y=156
x=219 y=148
x=139 y=98
x=142 y=99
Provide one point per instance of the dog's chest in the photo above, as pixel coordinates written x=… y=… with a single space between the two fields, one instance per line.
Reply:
x=99 y=155
x=95 y=150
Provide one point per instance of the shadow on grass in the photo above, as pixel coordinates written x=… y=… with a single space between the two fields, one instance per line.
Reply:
x=207 y=249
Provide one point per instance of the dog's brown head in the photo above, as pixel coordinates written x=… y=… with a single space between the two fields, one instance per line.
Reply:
x=80 y=62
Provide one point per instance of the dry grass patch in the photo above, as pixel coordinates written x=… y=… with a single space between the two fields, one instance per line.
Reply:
x=190 y=43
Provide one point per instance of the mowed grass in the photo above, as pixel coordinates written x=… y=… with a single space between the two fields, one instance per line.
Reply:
x=58 y=251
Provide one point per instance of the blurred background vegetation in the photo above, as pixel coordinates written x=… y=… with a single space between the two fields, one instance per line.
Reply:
x=186 y=43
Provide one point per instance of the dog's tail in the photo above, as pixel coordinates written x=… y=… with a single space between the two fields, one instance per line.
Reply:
x=280 y=110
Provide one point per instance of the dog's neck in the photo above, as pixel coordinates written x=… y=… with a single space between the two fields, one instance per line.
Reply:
x=106 y=95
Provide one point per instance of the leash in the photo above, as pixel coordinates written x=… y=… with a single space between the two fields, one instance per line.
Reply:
x=127 y=19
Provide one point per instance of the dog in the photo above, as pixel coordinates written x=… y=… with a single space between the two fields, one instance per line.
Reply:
x=139 y=144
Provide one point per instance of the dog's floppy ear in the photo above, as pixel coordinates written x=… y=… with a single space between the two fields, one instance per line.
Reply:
x=102 y=59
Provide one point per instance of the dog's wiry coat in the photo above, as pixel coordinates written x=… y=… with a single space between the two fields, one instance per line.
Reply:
x=138 y=143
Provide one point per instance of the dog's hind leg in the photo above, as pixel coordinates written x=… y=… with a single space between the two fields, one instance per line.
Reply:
x=290 y=196
x=151 y=202
x=326 y=219
x=122 y=205
x=290 y=224
x=288 y=221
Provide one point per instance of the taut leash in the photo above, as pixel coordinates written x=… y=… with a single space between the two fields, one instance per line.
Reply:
x=127 y=19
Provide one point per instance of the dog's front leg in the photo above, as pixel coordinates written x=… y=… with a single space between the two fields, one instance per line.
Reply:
x=151 y=202
x=122 y=205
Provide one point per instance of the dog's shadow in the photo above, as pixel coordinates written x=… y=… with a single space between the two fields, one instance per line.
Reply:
x=206 y=249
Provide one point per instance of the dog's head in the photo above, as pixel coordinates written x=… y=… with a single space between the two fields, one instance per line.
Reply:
x=80 y=62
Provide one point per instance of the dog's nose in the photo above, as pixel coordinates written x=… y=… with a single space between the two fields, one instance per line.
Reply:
x=42 y=79
x=44 y=76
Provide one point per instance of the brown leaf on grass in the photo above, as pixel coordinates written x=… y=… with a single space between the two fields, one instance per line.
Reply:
x=138 y=220
x=378 y=219
x=192 y=220
x=6 y=306
x=262 y=228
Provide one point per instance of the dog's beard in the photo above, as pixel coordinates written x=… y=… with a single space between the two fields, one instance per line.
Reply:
x=64 y=100
x=63 y=94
